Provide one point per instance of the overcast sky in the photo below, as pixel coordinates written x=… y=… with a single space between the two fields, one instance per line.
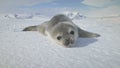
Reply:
x=47 y=6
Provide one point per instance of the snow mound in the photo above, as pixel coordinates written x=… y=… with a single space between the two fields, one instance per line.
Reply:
x=23 y=16
x=9 y=16
x=19 y=16
x=74 y=15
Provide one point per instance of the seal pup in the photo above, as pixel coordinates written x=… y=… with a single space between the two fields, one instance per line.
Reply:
x=61 y=30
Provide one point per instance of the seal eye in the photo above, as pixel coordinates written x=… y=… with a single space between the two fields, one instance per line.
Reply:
x=72 y=32
x=59 y=37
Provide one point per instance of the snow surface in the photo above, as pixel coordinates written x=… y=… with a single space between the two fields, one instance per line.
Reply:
x=20 y=49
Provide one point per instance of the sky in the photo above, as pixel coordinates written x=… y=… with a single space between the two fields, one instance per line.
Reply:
x=56 y=6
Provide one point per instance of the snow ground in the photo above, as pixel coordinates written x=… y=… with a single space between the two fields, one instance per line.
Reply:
x=32 y=50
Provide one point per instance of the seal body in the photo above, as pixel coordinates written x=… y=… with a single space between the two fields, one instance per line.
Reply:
x=61 y=30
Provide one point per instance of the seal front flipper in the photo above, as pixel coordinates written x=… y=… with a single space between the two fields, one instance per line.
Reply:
x=86 y=34
x=40 y=28
x=30 y=28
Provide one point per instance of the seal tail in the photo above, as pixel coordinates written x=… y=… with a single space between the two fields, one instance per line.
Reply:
x=30 y=28
x=86 y=34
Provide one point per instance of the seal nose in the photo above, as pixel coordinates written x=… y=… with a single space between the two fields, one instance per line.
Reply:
x=67 y=42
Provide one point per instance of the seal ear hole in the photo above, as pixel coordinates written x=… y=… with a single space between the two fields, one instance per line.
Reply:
x=72 y=32
x=59 y=37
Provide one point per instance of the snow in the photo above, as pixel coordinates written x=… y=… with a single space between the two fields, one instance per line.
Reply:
x=20 y=49
x=24 y=16
x=74 y=15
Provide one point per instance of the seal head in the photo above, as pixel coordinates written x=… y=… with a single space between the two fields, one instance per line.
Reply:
x=64 y=34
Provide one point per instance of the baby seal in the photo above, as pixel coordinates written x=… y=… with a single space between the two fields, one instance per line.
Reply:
x=61 y=30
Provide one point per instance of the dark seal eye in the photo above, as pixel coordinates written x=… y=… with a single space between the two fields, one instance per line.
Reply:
x=59 y=37
x=72 y=32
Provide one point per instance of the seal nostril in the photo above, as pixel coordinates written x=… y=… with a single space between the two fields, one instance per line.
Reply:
x=66 y=43
x=67 y=40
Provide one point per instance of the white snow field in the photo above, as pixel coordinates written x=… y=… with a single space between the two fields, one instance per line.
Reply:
x=20 y=49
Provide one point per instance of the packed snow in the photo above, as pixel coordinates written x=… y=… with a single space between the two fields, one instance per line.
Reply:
x=20 y=49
